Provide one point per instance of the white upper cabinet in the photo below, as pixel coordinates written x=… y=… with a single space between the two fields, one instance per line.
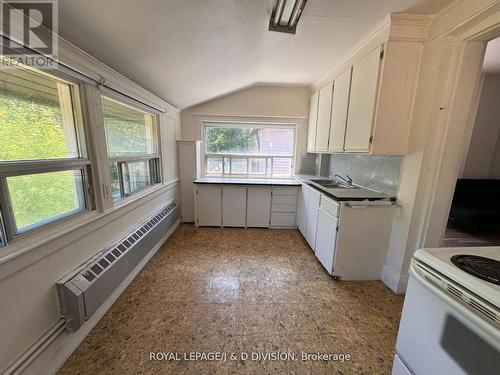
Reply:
x=373 y=92
x=340 y=105
x=313 y=117
x=362 y=100
x=323 y=119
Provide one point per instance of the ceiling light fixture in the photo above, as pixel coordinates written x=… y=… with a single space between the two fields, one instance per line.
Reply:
x=286 y=15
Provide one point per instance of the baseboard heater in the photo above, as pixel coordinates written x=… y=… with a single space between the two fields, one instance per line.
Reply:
x=83 y=290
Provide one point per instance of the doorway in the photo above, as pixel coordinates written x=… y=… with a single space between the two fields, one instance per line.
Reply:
x=458 y=97
x=474 y=218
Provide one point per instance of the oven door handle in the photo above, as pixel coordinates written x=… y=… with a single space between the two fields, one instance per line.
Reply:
x=431 y=282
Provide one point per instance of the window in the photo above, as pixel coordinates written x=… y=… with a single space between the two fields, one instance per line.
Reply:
x=249 y=149
x=43 y=161
x=132 y=144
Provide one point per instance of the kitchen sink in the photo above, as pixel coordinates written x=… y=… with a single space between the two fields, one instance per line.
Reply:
x=333 y=184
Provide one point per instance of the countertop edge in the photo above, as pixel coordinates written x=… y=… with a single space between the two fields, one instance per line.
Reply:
x=292 y=182
x=253 y=182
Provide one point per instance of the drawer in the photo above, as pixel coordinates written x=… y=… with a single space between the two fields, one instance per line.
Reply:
x=284 y=199
x=285 y=190
x=284 y=208
x=283 y=219
x=329 y=205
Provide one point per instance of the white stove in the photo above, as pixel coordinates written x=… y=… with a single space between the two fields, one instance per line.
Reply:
x=440 y=260
x=451 y=316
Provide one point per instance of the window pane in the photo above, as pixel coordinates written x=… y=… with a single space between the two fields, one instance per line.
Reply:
x=238 y=166
x=115 y=181
x=257 y=166
x=214 y=165
x=128 y=130
x=40 y=198
x=282 y=167
x=36 y=117
x=136 y=175
x=245 y=140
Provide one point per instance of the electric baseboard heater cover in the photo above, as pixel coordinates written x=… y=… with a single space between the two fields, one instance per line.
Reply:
x=83 y=290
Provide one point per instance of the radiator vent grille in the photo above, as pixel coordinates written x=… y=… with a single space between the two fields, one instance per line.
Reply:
x=117 y=251
x=83 y=291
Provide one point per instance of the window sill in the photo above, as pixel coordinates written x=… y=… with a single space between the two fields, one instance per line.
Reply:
x=25 y=245
x=122 y=202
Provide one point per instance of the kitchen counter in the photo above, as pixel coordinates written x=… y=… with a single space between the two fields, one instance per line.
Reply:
x=340 y=194
x=248 y=181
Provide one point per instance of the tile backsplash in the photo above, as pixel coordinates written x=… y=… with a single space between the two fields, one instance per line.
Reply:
x=372 y=171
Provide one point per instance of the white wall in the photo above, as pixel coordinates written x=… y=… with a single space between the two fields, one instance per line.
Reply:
x=483 y=156
x=253 y=102
x=258 y=103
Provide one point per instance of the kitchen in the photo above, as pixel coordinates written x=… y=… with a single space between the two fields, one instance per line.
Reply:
x=272 y=190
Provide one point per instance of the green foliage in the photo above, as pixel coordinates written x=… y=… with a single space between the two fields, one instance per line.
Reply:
x=30 y=130
x=41 y=196
x=34 y=130
x=230 y=140
x=125 y=137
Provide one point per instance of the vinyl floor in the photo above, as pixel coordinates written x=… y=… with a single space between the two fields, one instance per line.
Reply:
x=257 y=295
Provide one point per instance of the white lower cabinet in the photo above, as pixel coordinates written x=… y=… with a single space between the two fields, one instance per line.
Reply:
x=312 y=217
x=258 y=206
x=302 y=209
x=284 y=207
x=209 y=205
x=326 y=238
x=234 y=205
x=246 y=206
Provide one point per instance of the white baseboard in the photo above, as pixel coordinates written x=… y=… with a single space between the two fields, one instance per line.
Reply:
x=51 y=359
x=394 y=280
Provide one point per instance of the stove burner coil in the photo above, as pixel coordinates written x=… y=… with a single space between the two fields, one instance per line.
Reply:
x=485 y=268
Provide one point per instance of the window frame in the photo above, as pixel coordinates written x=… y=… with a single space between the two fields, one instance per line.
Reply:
x=156 y=174
x=269 y=157
x=82 y=163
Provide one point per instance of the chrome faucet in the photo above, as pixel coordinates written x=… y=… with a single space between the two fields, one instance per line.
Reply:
x=346 y=179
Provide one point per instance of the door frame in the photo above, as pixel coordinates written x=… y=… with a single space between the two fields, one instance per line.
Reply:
x=452 y=141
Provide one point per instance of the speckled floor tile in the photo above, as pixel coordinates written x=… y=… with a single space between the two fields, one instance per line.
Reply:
x=246 y=292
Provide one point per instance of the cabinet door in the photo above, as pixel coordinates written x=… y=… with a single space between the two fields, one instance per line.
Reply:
x=234 y=206
x=302 y=209
x=313 y=117
x=326 y=240
x=258 y=206
x=340 y=105
x=208 y=205
x=312 y=217
x=362 y=100
x=324 y=114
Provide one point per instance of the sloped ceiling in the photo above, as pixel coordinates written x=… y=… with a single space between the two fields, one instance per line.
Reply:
x=190 y=51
